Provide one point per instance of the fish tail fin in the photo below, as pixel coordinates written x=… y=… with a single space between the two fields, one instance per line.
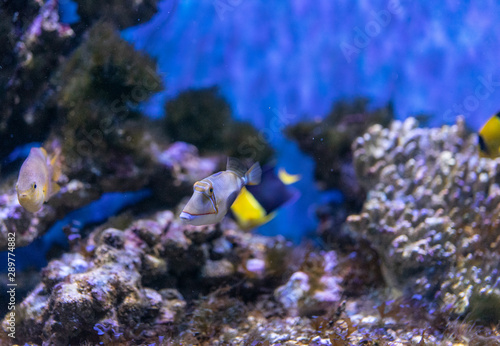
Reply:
x=236 y=166
x=55 y=164
x=253 y=175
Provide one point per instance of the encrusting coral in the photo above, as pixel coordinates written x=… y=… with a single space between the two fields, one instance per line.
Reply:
x=432 y=213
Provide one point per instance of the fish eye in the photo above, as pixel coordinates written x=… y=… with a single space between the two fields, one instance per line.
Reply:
x=211 y=190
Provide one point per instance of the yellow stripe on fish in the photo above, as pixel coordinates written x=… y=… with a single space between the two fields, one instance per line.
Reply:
x=489 y=138
x=37 y=179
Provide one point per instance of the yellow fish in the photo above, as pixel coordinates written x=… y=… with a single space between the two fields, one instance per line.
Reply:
x=213 y=195
x=37 y=179
x=489 y=138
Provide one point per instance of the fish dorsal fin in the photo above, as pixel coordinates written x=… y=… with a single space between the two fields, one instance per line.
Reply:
x=236 y=166
x=55 y=163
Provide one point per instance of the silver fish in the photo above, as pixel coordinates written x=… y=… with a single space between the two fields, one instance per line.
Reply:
x=213 y=196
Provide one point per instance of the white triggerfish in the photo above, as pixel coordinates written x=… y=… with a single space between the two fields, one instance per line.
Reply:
x=213 y=196
x=37 y=179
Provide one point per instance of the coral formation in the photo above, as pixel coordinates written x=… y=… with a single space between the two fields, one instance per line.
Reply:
x=142 y=285
x=203 y=118
x=37 y=45
x=432 y=213
x=429 y=225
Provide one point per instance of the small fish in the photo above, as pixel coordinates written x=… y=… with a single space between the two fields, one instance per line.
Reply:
x=37 y=179
x=213 y=195
x=257 y=205
x=489 y=138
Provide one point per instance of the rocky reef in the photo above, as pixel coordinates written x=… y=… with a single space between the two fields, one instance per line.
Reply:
x=34 y=41
x=432 y=214
x=133 y=284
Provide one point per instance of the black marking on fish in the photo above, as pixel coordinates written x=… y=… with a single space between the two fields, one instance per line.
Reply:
x=482 y=144
x=497 y=115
